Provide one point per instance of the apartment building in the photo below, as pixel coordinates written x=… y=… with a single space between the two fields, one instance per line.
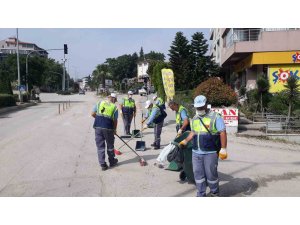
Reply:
x=246 y=53
x=9 y=46
x=142 y=68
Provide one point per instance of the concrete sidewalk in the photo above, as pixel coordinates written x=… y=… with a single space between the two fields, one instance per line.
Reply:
x=16 y=108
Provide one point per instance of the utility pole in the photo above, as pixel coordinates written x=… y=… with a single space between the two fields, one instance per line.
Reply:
x=18 y=64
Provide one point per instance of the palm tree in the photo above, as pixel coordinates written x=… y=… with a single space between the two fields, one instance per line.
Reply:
x=292 y=93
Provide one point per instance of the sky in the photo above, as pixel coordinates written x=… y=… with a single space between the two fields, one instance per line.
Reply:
x=89 y=47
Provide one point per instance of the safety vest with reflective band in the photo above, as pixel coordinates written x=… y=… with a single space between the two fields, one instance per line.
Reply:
x=202 y=139
x=128 y=106
x=105 y=115
x=158 y=117
x=160 y=101
x=179 y=120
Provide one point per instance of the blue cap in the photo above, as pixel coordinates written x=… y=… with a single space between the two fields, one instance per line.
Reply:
x=199 y=101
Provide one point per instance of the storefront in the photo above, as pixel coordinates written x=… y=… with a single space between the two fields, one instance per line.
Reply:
x=279 y=66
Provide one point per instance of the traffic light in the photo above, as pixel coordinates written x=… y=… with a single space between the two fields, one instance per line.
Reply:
x=65 y=49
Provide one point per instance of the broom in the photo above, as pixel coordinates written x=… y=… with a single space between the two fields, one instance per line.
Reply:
x=142 y=160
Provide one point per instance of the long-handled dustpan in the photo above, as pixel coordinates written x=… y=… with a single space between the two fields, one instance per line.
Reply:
x=140 y=145
x=135 y=132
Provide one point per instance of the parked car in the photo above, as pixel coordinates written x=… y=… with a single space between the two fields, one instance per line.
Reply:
x=135 y=91
x=142 y=92
x=81 y=92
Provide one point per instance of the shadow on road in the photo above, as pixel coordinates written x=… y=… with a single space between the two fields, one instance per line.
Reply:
x=236 y=186
x=136 y=159
x=170 y=122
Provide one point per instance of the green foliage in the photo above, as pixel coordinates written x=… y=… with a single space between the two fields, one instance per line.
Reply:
x=181 y=61
x=156 y=56
x=156 y=78
x=292 y=91
x=186 y=99
x=216 y=92
x=5 y=86
x=42 y=72
x=279 y=104
x=242 y=91
x=7 y=100
x=190 y=62
x=142 y=56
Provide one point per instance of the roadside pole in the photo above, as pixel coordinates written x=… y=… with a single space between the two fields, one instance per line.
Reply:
x=18 y=64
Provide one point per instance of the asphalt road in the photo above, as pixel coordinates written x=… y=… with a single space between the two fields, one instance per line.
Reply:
x=43 y=153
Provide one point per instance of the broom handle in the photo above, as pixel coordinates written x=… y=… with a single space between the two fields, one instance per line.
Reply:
x=128 y=146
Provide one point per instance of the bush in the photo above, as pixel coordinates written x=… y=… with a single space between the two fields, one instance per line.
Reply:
x=7 y=100
x=279 y=104
x=216 y=92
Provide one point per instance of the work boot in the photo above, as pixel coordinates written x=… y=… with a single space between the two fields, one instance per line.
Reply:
x=153 y=144
x=104 y=167
x=113 y=163
x=156 y=147
x=213 y=194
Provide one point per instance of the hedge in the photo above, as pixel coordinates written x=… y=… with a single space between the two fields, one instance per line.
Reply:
x=7 y=100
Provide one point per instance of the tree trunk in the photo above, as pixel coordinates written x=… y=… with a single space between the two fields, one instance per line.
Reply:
x=261 y=106
x=289 y=112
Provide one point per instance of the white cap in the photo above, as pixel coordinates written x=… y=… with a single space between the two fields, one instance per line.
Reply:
x=148 y=103
x=199 y=101
x=130 y=92
x=113 y=95
x=154 y=97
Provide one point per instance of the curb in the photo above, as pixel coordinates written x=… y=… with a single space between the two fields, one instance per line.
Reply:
x=16 y=108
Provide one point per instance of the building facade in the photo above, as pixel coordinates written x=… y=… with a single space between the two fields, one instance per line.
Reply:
x=142 y=68
x=9 y=46
x=246 y=53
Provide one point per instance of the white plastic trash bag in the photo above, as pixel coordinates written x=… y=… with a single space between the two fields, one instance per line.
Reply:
x=162 y=158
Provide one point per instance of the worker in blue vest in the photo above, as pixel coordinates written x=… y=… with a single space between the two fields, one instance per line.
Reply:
x=182 y=118
x=157 y=117
x=105 y=125
x=128 y=111
x=209 y=141
x=159 y=102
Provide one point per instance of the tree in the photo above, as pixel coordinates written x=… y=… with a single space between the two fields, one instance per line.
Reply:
x=156 y=56
x=5 y=86
x=142 y=56
x=263 y=87
x=204 y=66
x=181 y=61
x=292 y=93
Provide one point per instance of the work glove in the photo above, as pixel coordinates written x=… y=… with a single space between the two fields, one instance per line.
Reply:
x=182 y=144
x=223 y=153
x=179 y=132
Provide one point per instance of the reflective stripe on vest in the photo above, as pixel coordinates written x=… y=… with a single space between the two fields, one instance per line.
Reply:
x=129 y=103
x=202 y=133
x=179 y=120
x=128 y=106
x=105 y=115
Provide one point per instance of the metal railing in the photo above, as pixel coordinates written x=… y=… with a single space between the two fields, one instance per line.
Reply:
x=239 y=35
x=279 y=124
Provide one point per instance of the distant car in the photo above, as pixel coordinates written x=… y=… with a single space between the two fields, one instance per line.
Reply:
x=81 y=92
x=142 y=92
x=135 y=91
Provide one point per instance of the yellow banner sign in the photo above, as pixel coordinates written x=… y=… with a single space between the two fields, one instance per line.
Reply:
x=278 y=75
x=168 y=81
